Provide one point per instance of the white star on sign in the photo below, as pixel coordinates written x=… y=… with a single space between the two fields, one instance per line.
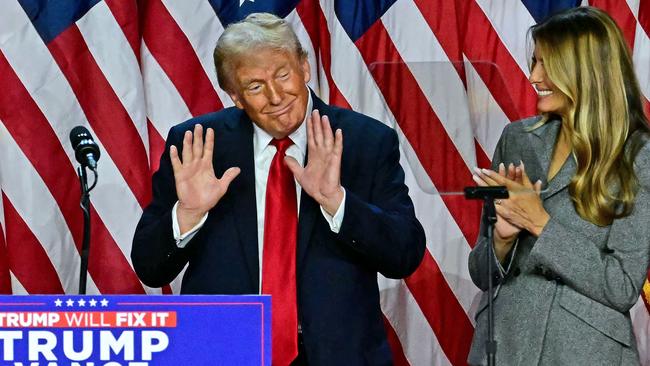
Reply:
x=70 y=302
x=104 y=302
x=58 y=302
x=92 y=302
x=241 y=2
x=81 y=302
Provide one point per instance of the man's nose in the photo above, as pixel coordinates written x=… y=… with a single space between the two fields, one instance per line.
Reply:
x=275 y=93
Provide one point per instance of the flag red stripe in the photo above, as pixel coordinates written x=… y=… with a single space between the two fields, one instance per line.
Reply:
x=395 y=345
x=156 y=147
x=442 y=17
x=44 y=151
x=620 y=11
x=161 y=34
x=315 y=23
x=644 y=16
x=507 y=83
x=37 y=275
x=126 y=15
x=442 y=310
x=104 y=110
x=5 y=278
x=418 y=121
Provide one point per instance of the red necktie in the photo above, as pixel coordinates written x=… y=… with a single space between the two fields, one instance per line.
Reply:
x=279 y=255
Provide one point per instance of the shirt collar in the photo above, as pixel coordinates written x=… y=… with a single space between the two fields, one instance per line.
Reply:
x=299 y=136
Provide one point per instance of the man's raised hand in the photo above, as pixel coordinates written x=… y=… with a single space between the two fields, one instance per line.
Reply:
x=197 y=187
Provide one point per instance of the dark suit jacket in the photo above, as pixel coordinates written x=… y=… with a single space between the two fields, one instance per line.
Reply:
x=338 y=297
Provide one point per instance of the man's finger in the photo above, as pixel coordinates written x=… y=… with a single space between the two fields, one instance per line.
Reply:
x=317 y=128
x=208 y=150
x=197 y=144
x=502 y=170
x=229 y=175
x=187 y=147
x=294 y=166
x=328 y=136
x=338 y=143
x=176 y=162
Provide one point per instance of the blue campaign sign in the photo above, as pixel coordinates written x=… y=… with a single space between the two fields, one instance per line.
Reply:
x=135 y=330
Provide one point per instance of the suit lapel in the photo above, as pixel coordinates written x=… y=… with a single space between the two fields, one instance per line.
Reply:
x=542 y=141
x=309 y=208
x=239 y=151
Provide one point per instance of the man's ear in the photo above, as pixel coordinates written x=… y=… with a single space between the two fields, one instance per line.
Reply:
x=306 y=69
x=236 y=99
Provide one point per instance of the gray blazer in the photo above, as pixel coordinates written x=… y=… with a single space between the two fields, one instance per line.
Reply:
x=564 y=297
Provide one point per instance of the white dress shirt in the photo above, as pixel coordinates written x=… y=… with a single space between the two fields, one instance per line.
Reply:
x=263 y=154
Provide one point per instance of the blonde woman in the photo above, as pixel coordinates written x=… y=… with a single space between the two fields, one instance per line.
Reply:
x=572 y=242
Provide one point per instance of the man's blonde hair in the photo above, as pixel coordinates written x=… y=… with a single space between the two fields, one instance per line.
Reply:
x=257 y=31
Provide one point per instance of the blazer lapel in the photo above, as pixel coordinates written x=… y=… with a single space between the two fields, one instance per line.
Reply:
x=239 y=152
x=542 y=142
x=309 y=208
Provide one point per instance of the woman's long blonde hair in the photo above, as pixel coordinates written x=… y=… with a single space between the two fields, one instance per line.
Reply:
x=586 y=57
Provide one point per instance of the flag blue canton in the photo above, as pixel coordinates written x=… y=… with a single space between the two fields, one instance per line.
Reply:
x=230 y=11
x=356 y=16
x=51 y=18
x=541 y=9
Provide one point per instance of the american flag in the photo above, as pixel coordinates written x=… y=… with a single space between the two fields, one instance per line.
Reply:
x=446 y=74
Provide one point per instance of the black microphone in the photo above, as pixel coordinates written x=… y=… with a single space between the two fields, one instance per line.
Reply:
x=85 y=149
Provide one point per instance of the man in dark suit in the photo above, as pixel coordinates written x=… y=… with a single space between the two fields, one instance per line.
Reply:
x=316 y=246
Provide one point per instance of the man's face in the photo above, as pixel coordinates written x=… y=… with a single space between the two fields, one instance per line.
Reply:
x=269 y=85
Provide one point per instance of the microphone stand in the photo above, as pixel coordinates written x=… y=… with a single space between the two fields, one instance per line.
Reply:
x=488 y=194
x=85 y=207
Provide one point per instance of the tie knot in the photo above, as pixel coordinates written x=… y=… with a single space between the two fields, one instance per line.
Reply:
x=282 y=144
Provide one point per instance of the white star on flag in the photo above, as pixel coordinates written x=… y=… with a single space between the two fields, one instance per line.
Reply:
x=241 y=2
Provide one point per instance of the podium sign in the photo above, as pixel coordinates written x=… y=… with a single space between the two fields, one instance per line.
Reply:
x=135 y=330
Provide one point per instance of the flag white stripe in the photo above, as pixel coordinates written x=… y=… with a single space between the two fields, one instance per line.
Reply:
x=486 y=115
x=39 y=210
x=197 y=20
x=511 y=22
x=641 y=57
x=165 y=106
x=351 y=75
x=429 y=64
x=419 y=342
x=29 y=57
x=305 y=41
x=114 y=56
x=17 y=288
x=634 y=7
